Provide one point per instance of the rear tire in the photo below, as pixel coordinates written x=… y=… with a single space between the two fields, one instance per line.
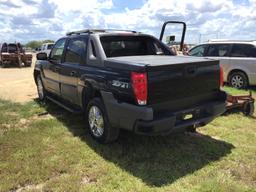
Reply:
x=238 y=80
x=191 y=129
x=98 y=124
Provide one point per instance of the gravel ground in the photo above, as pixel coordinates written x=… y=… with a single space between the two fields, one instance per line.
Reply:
x=17 y=84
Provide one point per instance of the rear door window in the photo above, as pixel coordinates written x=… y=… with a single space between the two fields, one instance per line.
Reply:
x=243 y=50
x=218 y=50
x=198 y=51
x=76 y=51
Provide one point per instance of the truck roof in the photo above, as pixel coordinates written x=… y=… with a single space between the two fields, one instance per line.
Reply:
x=100 y=31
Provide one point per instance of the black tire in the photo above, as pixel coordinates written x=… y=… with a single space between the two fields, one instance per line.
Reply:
x=40 y=90
x=238 y=80
x=248 y=109
x=3 y=65
x=108 y=133
x=191 y=129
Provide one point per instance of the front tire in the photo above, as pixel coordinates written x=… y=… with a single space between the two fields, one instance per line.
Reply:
x=40 y=88
x=238 y=80
x=98 y=124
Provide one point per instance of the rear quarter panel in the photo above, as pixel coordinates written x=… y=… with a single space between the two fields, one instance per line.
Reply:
x=248 y=65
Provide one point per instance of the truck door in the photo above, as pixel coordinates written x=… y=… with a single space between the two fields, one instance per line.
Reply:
x=74 y=59
x=52 y=68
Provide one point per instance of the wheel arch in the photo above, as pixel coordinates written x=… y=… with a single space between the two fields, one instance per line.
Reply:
x=89 y=92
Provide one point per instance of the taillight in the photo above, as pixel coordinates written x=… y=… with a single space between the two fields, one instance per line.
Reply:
x=221 y=77
x=140 y=87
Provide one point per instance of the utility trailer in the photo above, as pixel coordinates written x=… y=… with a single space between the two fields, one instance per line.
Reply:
x=244 y=103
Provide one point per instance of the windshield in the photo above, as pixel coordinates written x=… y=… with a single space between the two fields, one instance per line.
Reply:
x=50 y=46
x=118 y=46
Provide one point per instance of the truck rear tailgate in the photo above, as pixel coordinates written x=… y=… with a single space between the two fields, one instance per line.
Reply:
x=178 y=86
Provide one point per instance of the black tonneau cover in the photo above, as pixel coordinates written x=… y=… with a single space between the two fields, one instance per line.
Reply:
x=158 y=60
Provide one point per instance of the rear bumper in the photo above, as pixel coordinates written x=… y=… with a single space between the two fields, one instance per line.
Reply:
x=175 y=122
x=142 y=121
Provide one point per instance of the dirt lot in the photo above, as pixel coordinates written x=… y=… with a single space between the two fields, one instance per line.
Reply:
x=17 y=84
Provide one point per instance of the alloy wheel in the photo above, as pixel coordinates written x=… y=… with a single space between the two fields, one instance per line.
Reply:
x=96 y=121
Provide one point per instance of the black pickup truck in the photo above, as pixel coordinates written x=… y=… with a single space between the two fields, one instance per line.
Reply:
x=129 y=80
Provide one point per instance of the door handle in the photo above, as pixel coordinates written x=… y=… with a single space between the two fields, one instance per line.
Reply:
x=72 y=73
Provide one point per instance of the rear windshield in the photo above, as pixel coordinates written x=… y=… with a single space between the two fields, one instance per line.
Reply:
x=12 y=48
x=117 y=46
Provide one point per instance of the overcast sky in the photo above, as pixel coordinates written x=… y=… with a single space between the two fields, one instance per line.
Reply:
x=25 y=20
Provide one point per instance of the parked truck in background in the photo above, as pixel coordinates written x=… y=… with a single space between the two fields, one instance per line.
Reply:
x=46 y=48
x=13 y=54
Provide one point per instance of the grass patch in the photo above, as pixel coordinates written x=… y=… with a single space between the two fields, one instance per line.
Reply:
x=52 y=151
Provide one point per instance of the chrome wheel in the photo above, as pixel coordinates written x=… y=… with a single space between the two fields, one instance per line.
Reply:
x=237 y=81
x=40 y=88
x=96 y=121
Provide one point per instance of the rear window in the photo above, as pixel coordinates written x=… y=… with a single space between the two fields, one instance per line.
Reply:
x=12 y=48
x=117 y=46
x=243 y=50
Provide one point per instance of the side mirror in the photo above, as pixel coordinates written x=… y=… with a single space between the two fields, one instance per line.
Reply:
x=41 y=56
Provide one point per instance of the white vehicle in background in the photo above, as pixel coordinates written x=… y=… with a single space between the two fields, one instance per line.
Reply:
x=238 y=59
x=46 y=48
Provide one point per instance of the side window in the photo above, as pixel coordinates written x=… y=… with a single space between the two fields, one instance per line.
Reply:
x=218 y=50
x=243 y=50
x=76 y=51
x=198 y=51
x=57 y=50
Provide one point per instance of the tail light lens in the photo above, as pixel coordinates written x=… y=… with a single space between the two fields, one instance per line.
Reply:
x=140 y=87
x=221 y=77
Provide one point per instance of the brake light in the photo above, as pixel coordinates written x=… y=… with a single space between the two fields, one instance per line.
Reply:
x=221 y=77
x=140 y=87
